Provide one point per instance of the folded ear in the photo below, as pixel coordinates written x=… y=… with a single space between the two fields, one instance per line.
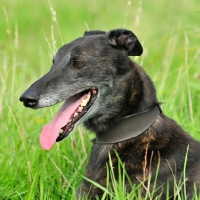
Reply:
x=87 y=33
x=125 y=40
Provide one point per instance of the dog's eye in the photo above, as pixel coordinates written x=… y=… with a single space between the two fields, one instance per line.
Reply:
x=77 y=64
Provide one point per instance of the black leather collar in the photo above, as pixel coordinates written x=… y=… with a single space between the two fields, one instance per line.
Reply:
x=129 y=127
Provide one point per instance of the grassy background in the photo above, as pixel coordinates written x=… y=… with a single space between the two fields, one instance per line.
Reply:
x=29 y=37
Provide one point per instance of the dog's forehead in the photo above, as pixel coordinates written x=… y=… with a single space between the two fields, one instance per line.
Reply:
x=86 y=43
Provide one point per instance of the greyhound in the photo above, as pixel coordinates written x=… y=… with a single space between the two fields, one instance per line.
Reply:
x=113 y=96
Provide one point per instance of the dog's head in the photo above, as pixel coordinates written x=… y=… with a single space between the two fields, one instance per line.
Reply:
x=86 y=74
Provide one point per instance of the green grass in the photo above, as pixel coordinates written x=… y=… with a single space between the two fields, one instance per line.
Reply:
x=29 y=36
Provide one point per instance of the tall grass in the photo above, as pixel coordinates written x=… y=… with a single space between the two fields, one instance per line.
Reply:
x=119 y=186
x=31 y=32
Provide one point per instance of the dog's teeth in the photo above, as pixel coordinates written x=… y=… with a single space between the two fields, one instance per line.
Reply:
x=61 y=131
x=84 y=102
x=88 y=97
x=75 y=114
x=89 y=94
x=80 y=109
x=69 y=120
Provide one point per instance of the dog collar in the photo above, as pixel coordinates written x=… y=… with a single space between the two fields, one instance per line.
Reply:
x=129 y=127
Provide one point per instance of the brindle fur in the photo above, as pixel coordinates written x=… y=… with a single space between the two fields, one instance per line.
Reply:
x=124 y=89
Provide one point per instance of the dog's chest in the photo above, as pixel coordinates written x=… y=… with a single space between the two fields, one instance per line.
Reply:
x=97 y=162
x=100 y=152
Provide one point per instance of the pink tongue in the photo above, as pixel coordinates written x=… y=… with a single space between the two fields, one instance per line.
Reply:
x=50 y=132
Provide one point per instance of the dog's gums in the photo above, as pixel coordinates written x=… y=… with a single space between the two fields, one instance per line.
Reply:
x=86 y=103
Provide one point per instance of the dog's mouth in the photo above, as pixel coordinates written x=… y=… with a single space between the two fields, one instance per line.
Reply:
x=69 y=114
x=86 y=103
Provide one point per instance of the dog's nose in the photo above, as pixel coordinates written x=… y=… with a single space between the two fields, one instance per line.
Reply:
x=29 y=99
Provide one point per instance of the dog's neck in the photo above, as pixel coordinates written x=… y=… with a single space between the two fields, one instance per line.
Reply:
x=129 y=127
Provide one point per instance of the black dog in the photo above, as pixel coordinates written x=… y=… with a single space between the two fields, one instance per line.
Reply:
x=115 y=98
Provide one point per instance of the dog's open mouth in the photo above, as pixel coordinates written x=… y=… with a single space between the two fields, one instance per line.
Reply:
x=71 y=112
x=86 y=103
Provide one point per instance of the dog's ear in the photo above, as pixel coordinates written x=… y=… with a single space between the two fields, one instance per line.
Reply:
x=88 y=33
x=125 y=40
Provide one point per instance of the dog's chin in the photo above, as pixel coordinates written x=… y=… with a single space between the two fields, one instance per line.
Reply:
x=79 y=113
